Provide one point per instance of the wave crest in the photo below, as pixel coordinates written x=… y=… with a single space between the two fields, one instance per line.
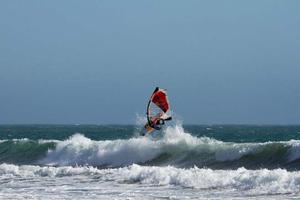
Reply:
x=174 y=147
x=253 y=182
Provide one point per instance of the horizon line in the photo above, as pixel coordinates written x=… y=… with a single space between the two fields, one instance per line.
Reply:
x=129 y=124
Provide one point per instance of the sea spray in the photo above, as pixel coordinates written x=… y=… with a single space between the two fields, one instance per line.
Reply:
x=174 y=164
x=174 y=147
x=79 y=150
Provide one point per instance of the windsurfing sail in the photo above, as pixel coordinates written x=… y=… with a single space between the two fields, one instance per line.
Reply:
x=158 y=106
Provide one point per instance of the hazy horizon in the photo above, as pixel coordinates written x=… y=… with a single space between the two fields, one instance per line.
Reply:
x=135 y=124
x=97 y=62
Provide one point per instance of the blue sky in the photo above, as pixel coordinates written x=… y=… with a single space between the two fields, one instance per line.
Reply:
x=233 y=62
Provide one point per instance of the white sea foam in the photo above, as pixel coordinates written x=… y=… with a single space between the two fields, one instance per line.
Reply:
x=259 y=181
x=175 y=141
x=251 y=182
x=294 y=150
x=16 y=140
x=133 y=181
x=43 y=141
x=81 y=150
x=24 y=140
x=27 y=171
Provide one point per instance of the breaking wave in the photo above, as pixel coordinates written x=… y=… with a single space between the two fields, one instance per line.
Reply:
x=262 y=181
x=175 y=147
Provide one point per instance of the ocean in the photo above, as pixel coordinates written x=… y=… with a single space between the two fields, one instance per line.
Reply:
x=180 y=162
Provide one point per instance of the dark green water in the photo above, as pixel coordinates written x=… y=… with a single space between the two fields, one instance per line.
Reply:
x=226 y=133
x=216 y=146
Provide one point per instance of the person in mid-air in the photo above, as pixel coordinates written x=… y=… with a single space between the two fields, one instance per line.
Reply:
x=156 y=122
x=158 y=111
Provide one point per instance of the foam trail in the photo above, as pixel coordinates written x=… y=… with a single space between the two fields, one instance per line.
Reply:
x=251 y=182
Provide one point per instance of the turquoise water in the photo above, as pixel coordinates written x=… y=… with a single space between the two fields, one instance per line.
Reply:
x=226 y=133
x=252 y=147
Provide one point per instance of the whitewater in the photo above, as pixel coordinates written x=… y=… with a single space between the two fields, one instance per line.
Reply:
x=173 y=165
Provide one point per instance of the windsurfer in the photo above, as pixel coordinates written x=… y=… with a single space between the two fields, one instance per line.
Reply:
x=158 y=111
x=156 y=122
